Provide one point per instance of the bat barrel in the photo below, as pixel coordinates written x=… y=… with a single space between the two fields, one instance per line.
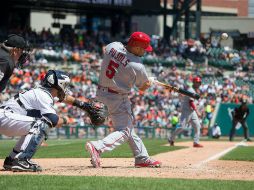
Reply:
x=190 y=94
x=179 y=90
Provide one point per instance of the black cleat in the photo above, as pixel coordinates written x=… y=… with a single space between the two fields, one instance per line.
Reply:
x=172 y=143
x=8 y=163
x=25 y=166
x=38 y=167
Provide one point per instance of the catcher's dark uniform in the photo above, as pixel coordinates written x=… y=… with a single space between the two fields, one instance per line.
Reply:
x=240 y=115
x=6 y=67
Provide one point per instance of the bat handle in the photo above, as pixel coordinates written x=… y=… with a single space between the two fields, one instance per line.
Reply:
x=196 y=96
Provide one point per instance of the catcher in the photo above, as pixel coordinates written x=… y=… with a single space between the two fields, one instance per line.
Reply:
x=30 y=114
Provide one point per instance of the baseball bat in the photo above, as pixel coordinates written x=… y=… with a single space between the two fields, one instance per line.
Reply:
x=179 y=90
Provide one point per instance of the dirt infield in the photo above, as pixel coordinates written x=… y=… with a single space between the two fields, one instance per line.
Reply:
x=193 y=163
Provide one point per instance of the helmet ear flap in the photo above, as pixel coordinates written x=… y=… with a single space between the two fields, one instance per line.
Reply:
x=50 y=79
x=54 y=78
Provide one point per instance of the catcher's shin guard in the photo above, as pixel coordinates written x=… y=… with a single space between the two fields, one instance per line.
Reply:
x=33 y=139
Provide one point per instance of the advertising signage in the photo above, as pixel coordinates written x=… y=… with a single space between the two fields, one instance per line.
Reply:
x=134 y=4
x=127 y=3
x=89 y=5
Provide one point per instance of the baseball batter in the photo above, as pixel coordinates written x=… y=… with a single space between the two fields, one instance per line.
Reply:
x=121 y=69
x=189 y=115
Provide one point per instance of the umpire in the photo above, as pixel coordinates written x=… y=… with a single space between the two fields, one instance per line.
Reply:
x=14 y=53
x=240 y=115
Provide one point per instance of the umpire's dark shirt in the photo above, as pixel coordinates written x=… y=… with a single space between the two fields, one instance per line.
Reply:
x=241 y=114
x=6 y=67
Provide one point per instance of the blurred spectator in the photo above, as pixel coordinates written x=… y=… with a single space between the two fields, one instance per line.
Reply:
x=216 y=132
x=175 y=120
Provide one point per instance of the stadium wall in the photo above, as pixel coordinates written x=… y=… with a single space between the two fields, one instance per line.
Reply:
x=40 y=20
x=245 y=25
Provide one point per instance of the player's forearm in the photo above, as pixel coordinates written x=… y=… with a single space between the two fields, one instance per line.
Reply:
x=62 y=121
x=71 y=100
x=145 y=86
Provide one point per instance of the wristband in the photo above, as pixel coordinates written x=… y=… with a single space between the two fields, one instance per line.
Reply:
x=81 y=105
x=77 y=103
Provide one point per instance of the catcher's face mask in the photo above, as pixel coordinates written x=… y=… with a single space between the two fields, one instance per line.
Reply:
x=58 y=80
x=62 y=94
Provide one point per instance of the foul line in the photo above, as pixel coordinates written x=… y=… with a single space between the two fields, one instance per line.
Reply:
x=220 y=154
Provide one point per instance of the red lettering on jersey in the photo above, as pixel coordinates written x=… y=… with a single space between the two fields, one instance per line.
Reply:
x=111 y=70
x=120 y=57
x=126 y=62
x=112 y=52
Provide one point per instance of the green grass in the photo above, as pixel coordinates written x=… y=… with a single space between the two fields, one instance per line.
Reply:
x=241 y=153
x=75 y=148
x=35 y=182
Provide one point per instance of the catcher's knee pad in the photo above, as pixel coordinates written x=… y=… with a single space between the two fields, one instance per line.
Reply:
x=38 y=132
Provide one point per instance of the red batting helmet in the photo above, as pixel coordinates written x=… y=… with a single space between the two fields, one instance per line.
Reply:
x=140 y=39
x=197 y=80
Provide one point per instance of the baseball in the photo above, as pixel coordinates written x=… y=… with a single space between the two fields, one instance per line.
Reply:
x=224 y=36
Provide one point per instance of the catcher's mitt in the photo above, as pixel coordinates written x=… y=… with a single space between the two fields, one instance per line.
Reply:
x=96 y=112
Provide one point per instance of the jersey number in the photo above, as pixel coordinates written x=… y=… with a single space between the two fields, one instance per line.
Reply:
x=111 y=70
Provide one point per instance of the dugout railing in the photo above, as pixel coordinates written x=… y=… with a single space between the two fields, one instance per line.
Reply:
x=89 y=131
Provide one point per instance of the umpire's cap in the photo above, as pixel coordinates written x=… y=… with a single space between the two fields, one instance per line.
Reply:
x=140 y=39
x=15 y=40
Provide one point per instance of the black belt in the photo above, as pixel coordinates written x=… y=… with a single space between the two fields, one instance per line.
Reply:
x=108 y=89
x=6 y=108
x=16 y=98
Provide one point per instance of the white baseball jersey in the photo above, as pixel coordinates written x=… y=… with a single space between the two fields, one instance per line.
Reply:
x=216 y=131
x=121 y=70
x=37 y=102
x=16 y=119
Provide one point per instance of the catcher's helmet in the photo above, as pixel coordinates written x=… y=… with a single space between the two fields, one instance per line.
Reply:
x=197 y=79
x=58 y=80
